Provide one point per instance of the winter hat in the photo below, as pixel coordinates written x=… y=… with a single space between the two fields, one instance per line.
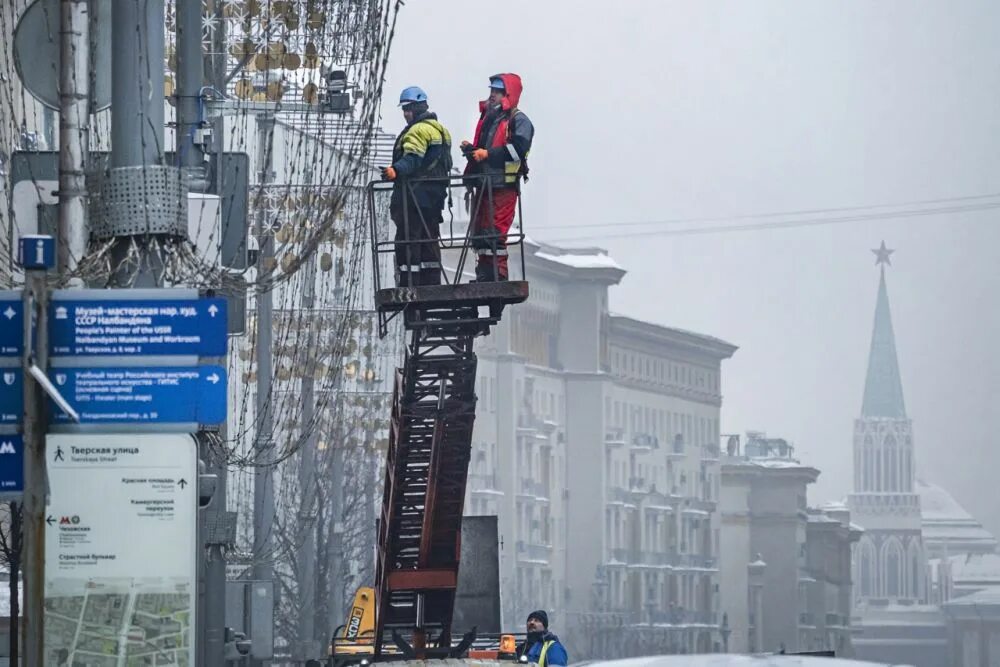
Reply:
x=541 y=616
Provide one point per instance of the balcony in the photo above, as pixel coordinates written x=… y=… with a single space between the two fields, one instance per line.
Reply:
x=617 y=494
x=530 y=552
x=705 y=617
x=529 y=488
x=697 y=507
x=837 y=621
x=676 y=450
x=679 y=616
x=657 y=558
x=639 y=485
x=695 y=562
x=614 y=438
x=702 y=504
x=644 y=442
x=482 y=484
x=621 y=555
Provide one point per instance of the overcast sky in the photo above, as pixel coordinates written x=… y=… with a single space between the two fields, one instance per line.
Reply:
x=650 y=111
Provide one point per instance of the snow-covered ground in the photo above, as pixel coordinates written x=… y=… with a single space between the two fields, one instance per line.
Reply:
x=728 y=660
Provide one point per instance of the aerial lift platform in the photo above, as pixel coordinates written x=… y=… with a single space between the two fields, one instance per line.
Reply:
x=430 y=441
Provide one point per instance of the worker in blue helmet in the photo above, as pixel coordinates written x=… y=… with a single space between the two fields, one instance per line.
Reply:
x=421 y=164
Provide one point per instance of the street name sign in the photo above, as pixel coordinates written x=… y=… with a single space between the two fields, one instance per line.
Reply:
x=143 y=395
x=130 y=327
x=121 y=549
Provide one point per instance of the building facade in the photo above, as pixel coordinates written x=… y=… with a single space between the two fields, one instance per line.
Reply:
x=769 y=533
x=595 y=445
x=974 y=629
x=826 y=585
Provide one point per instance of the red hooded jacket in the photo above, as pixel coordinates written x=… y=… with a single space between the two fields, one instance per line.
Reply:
x=506 y=133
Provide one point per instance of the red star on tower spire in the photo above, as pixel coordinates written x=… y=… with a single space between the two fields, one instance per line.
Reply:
x=882 y=255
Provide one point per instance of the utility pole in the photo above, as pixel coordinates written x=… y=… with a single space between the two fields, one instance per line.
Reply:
x=145 y=202
x=307 y=478
x=74 y=121
x=34 y=353
x=263 y=486
x=191 y=161
x=190 y=80
x=335 y=599
x=74 y=131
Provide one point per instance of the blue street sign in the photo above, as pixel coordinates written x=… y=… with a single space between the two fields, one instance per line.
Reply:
x=120 y=327
x=151 y=395
x=37 y=251
x=11 y=324
x=11 y=396
x=11 y=465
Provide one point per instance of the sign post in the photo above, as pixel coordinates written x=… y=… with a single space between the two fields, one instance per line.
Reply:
x=140 y=371
x=131 y=376
x=38 y=256
x=122 y=549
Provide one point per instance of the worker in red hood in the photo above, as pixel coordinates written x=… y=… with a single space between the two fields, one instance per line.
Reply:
x=499 y=154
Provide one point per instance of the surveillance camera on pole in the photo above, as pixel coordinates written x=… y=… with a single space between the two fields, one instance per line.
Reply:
x=207 y=484
x=336 y=98
x=237 y=645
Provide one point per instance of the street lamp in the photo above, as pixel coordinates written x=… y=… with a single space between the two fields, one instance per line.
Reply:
x=725 y=631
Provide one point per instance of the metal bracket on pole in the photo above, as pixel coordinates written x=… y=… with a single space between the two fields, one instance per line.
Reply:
x=43 y=381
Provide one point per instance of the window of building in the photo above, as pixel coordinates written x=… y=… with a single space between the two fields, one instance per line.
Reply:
x=893 y=564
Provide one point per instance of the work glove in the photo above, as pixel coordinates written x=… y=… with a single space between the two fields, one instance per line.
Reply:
x=480 y=154
x=388 y=174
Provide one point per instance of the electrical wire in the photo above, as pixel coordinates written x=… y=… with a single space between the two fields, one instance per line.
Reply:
x=776 y=214
x=784 y=224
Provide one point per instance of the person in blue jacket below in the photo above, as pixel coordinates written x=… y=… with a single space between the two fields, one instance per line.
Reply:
x=542 y=647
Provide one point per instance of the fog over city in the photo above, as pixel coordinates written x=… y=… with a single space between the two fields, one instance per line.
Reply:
x=662 y=111
x=304 y=366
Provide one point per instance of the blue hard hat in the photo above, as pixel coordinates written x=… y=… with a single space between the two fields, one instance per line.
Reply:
x=497 y=83
x=411 y=95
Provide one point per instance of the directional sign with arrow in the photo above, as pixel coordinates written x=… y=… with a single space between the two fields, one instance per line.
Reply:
x=50 y=520
x=83 y=325
x=146 y=395
x=182 y=483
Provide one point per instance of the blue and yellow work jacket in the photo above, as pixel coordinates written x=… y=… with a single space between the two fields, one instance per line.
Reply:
x=547 y=652
x=422 y=150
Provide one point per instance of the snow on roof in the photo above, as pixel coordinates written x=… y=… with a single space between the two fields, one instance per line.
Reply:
x=936 y=503
x=731 y=660
x=973 y=567
x=945 y=520
x=588 y=260
x=987 y=596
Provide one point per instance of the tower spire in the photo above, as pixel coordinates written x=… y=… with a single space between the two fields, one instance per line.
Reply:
x=883 y=386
